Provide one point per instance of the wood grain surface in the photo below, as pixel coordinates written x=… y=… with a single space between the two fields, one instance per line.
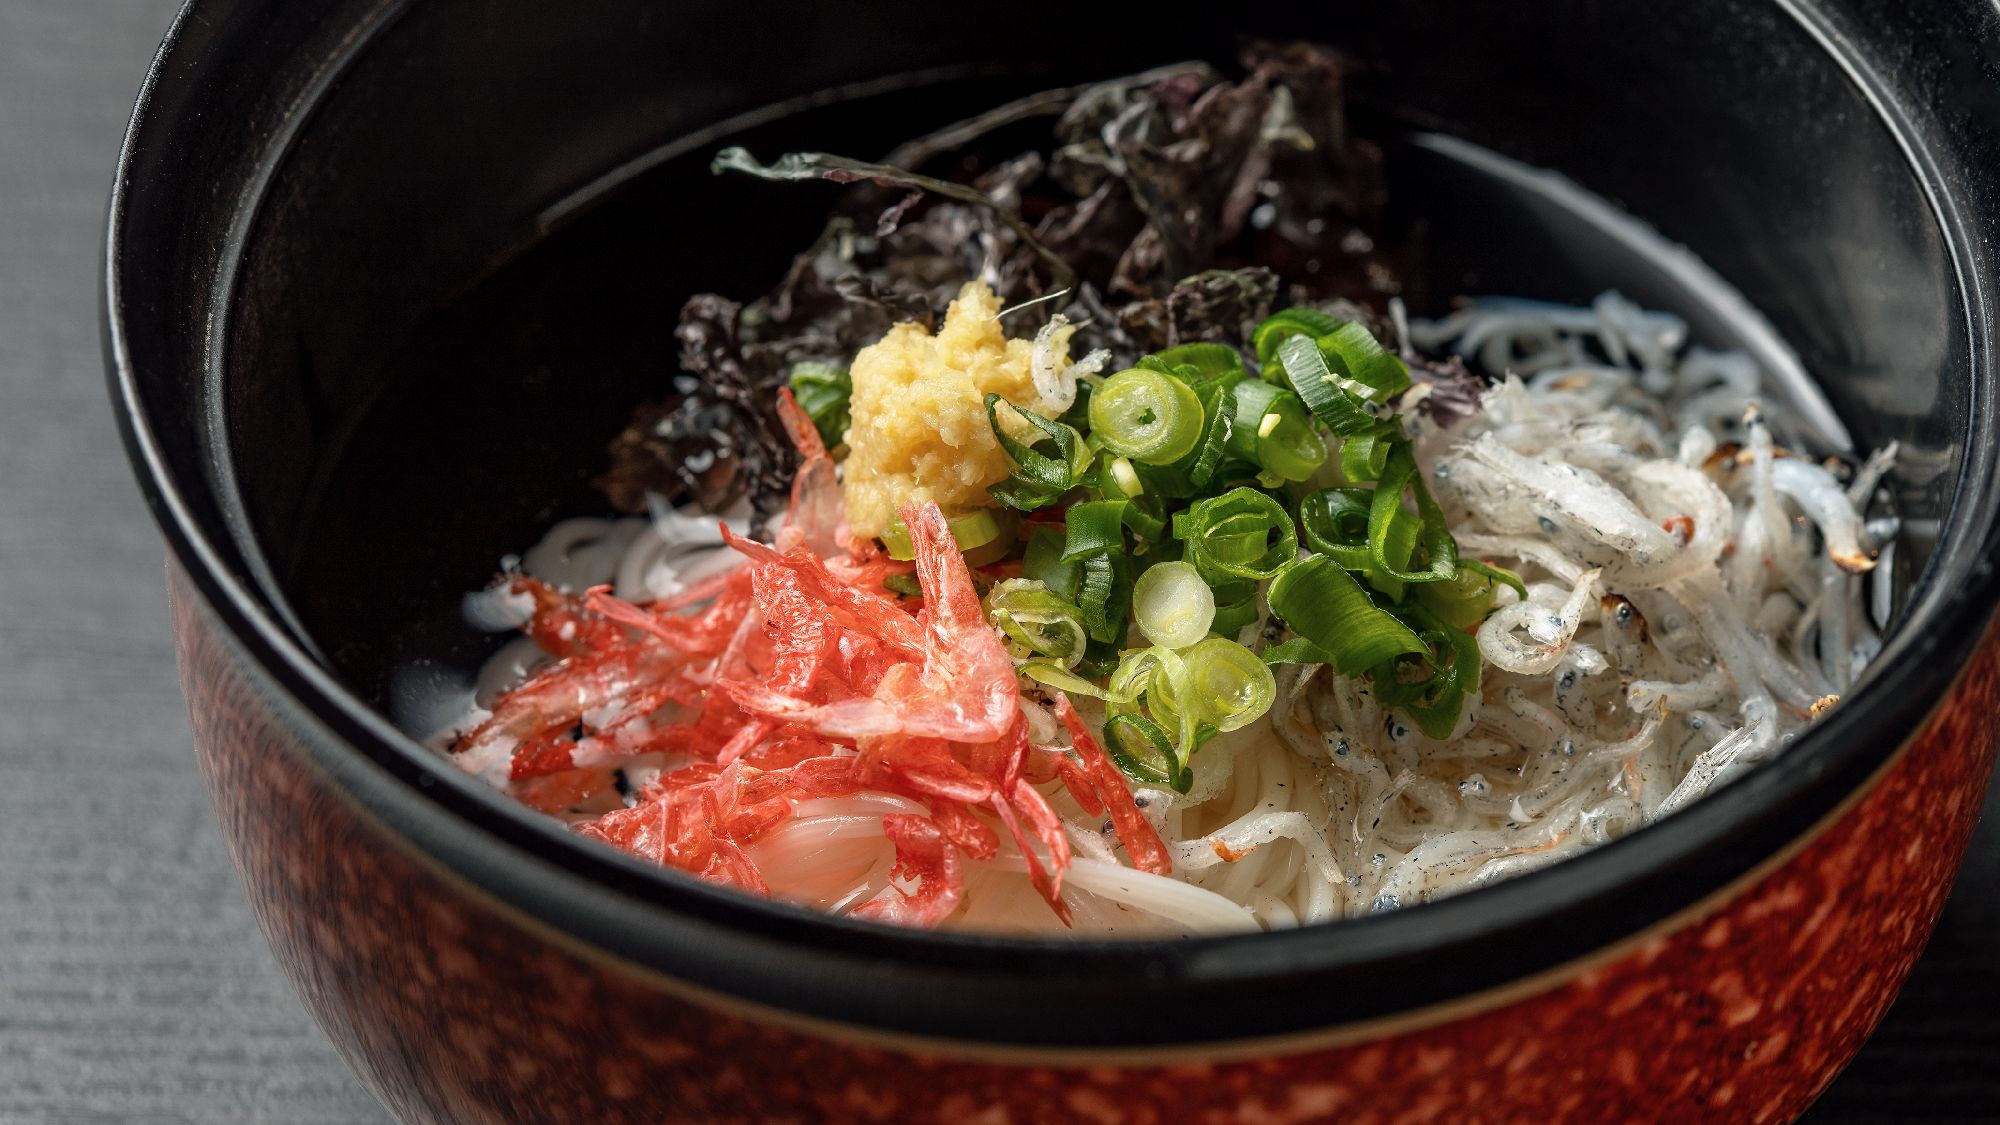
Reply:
x=134 y=985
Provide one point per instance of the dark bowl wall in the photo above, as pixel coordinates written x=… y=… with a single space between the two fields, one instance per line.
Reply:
x=290 y=288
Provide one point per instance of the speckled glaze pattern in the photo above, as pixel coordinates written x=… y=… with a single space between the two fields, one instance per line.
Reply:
x=453 y=1011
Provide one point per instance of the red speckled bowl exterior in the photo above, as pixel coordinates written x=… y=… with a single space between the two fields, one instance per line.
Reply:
x=454 y=1008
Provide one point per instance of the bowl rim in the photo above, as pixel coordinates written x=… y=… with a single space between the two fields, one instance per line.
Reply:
x=1823 y=772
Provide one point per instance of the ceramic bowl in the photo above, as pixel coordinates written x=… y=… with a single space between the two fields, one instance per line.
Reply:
x=382 y=277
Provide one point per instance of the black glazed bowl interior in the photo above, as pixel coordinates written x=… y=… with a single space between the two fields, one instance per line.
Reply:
x=443 y=288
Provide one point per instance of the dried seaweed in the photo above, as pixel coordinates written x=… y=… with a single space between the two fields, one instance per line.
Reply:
x=1047 y=103
x=1454 y=392
x=1216 y=305
x=845 y=170
x=712 y=441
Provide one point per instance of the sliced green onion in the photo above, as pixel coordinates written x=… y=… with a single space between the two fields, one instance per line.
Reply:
x=1237 y=605
x=1095 y=542
x=1462 y=602
x=993 y=552
x=1062 y=679
x=1234 y=590
x=1038 y=621
x=1227 y=688
x=1289 y=445
x=1364 y=456
x=1439 y=717
x=1124 y=478
x=1218 y=405
x=1197 y=469
x=1094 y=526
x=1153 y=711
x=1165 y=482
x=1416 y=679
x=972 y=530
x=1232 y=616
x=903 y=584
x=1139 y=512
x=1198 y=363
x=1297 y=650
x=1367 y=362
x=1043 y=469
x=1433 y=691
x=1151 y=680
x=1439 y=551
x=1285 y=324
x=1371 y=531
x=1144 y=520
x=1148 y=674
x=1100 y=659
x=1498 y=574
x=823 y=391
x=1273 y=430
x=1044 y=563
x=1395 y=547
x=1172 y=606
x=1334 y=522
x=1149 y=416
x=1326 y=393
x=1105 y=596
x=1344 y=375
x=1239 y=534
x=1144 y=752
x=1145 y=680
x=1323 y=603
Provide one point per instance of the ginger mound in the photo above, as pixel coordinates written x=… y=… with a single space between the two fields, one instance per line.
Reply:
x=919 y=427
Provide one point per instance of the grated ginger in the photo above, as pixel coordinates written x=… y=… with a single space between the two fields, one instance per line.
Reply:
x=919 y=428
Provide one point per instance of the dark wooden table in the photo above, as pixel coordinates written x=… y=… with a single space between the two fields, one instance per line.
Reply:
x=134 y=986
